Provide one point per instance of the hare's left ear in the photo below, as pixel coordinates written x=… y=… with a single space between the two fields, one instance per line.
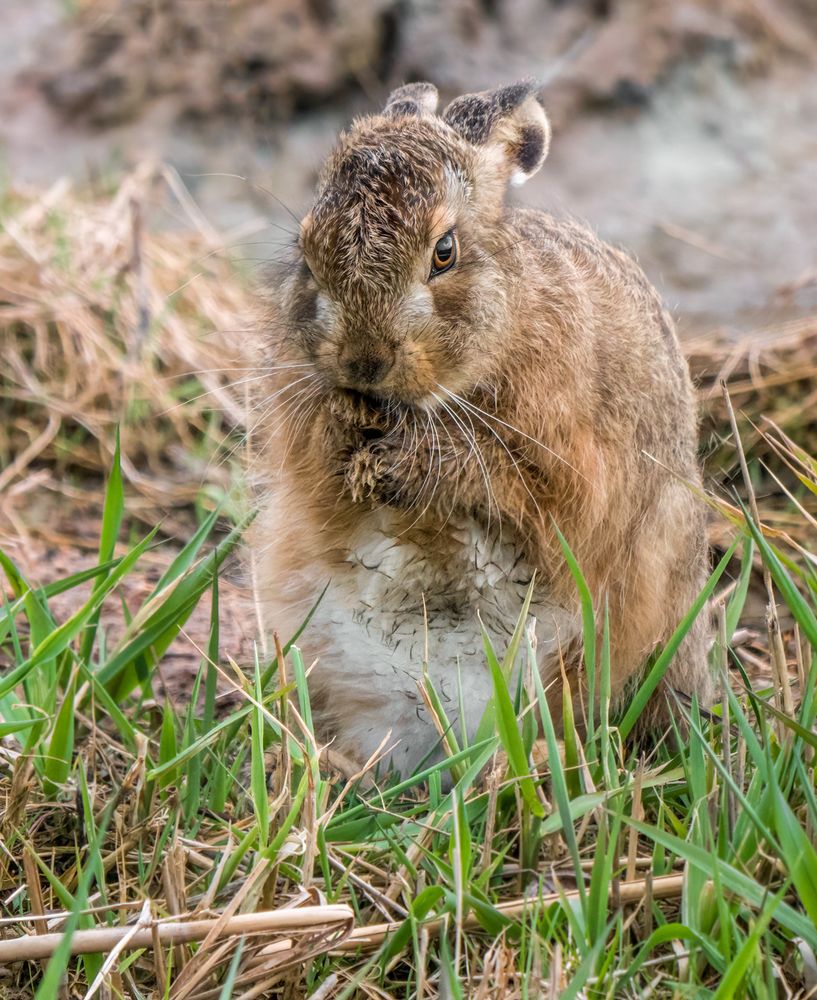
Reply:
x=418 y=100
x=511 y=119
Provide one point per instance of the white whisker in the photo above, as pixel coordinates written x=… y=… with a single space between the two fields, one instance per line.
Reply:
x=492 y=416
x=283 y=404
x=485 y=424
x=428 y=433
x=263 y=369
x=209 y=392
x=298 y=418
x=477 y=453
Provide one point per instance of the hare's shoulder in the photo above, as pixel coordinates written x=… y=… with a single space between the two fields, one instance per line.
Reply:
x=567 y=237
x=599 y=272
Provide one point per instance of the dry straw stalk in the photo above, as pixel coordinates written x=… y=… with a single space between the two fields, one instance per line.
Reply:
x=662 y=887
x=103 y=939
x=367 y=938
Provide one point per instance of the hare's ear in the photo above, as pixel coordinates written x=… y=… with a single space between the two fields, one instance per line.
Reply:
x=511 y=119
x=417 y=100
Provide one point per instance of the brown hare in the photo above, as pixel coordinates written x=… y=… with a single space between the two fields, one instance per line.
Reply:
x=450 y=378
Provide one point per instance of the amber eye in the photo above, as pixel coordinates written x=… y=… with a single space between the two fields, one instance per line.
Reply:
x=445 y=253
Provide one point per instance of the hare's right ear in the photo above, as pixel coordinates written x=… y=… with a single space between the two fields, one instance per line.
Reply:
x=510 y=119
x=418 y=100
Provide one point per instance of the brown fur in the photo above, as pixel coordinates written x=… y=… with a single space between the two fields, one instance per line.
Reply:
x=586 y=414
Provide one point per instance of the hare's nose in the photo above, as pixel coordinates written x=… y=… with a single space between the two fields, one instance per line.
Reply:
x=365 y=368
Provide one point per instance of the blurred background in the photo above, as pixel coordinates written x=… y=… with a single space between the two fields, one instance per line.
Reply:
x=684 y=129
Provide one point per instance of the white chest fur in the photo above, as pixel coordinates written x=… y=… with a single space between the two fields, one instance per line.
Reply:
x=397 y=603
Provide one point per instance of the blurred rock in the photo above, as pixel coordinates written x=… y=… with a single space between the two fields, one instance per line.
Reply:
x=267 y=59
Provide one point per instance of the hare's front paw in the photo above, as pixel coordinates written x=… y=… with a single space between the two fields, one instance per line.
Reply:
x=370 y=473
x=358 y=414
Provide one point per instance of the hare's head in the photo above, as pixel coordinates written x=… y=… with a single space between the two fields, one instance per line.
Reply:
x=402 y=283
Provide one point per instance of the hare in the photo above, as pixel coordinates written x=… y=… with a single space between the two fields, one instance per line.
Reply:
x=448 y=381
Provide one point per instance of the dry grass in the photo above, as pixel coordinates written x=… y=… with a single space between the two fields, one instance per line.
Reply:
x=771 y=375
x=104 y=323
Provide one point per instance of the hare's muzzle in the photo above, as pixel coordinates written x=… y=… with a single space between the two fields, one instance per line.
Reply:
x=364 y=369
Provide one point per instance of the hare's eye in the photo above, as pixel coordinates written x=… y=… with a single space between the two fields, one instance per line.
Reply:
x=445 y=253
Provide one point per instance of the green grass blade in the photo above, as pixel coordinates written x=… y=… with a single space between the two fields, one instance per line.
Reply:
x=258 y=769
x=185 y=559
x=50 y=590
x=797 y=853
x=228 y=986
x=61 y=637
x=589 y=627
x=213 y=652
x=584 y=971
x=795 y=602
x=421 y=906
x=163 y=623
x=41 y=622
x=113 y=510
x=558 y=784
x=41 y=685
x=55 y=970
x=168 y=748
x=487 y=723
x=731 y=984
x=508 y=729
x=15 y=726
x=737 y=600
x=61 y=746
x=125 y=727
x=191 y=796
x=752 y=892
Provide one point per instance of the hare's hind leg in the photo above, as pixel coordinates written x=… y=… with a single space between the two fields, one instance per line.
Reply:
x=689 y=676
x=669 y=573
x=690 y=673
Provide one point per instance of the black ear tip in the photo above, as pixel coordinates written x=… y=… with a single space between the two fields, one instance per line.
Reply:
x=471 y=115
x=513 y=117
x=510 y=97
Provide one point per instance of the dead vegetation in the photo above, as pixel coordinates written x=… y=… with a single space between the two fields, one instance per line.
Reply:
x=103 y=323
x=772 y=379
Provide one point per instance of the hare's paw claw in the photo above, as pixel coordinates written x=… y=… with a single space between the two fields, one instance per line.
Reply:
x=369 y=476
x=362 y=475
